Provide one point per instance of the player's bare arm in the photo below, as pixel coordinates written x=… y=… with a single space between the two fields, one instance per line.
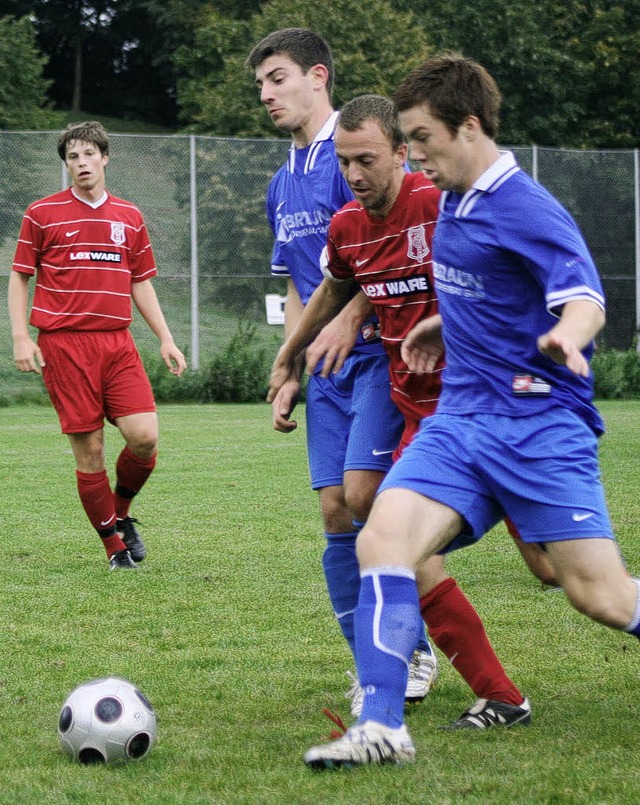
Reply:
x=26 y=353
x=423 y=347
x=337 y=338
x=146 y=301
x=579 y=324
x=328 y=298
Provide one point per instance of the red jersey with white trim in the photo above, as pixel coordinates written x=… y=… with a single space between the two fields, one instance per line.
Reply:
x=390 y=258
x=85 y=259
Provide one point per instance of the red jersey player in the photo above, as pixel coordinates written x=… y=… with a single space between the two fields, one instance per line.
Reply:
x=90 y=253
x=382 y=241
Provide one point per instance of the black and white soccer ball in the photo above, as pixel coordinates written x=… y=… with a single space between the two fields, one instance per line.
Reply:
x=107 y=720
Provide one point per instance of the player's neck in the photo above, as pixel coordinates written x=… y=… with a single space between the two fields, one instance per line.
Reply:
x=308 y=131
x=90 y=194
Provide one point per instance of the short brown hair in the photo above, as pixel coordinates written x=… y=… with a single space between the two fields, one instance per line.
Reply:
x=453 y=87
x=376 y=108
x=88 y=132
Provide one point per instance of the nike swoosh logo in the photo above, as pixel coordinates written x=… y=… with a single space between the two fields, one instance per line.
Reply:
x=362 y=262
x=381 y=452
x=580 y=517
x=280 y=205
x=106 y=522
x=71 y=234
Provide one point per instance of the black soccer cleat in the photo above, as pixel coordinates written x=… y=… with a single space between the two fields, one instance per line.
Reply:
x=131 y=538
x=487 y=713
x=121 y=560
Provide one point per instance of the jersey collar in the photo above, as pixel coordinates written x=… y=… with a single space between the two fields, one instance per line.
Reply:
x=325 y=134
x=495 y=176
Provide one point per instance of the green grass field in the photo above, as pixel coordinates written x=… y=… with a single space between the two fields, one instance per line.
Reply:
x=227 y=629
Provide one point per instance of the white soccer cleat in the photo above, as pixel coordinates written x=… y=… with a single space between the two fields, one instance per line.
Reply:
x=364 y=744
x=423 y=672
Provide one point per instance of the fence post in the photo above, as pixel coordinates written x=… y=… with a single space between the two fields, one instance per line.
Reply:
x=534 y=162
x=193 y=203
x=636 y=207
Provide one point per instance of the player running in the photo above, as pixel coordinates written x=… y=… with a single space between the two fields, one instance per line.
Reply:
x=381 y=242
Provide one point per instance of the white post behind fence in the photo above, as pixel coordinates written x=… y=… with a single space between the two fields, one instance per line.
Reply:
x=636 y=217
x=193 y=202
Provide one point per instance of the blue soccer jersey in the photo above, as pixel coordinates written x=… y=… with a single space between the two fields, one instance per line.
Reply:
x=507 y=257
x=301 y=199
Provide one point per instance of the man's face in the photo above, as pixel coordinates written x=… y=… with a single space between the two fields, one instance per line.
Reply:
x=370 y=165
x=444 y=157
x=86 y=165
x=288 y=94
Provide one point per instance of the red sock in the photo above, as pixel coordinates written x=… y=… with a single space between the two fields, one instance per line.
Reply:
x=456 y=629
x=97 y=499
x=131 y=474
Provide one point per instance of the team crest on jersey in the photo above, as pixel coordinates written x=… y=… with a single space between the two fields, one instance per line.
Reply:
x=418 y=249
x=117 y=232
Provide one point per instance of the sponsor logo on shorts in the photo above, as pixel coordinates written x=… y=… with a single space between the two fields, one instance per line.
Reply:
x=97 y=257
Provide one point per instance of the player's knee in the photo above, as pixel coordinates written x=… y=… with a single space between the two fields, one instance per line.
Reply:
x=144 y=443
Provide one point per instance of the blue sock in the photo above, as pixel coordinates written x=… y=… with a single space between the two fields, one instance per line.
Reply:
x=388 y=626
x=634 y=625
x=423 y=642
x=342 y=575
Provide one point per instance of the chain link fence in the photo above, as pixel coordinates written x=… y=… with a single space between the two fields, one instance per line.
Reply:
x=203 y=201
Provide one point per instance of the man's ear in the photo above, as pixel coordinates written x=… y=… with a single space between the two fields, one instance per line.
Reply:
x=320 y=75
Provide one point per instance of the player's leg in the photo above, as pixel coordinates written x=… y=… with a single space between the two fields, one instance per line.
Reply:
x=596 y=582
x=130 y=405
x=402 y=527
x=376 y=427
x=458 y=631
x=96 y=496
x=534 y=555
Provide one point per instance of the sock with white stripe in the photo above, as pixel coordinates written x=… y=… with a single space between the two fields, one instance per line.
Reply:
x=388 y=626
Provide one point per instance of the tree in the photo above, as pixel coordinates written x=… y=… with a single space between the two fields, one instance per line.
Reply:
x=217 y=93
x=567 y=71
x=23 y=90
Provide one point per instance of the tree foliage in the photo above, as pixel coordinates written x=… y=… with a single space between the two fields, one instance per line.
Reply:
x=23 y=89
x=373 y=45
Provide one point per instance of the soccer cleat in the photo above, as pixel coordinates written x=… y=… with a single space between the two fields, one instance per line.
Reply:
x=121 y=560
x=423 y=672
x=131 y=538
x=364 y=744
x=487 y=713
x=356 y=694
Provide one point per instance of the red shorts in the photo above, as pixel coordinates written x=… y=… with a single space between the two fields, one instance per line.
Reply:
x=93 y=375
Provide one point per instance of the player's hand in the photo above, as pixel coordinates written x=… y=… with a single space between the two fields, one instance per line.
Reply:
x=333 y=345
x=422 y=348
x=174 y=360
x=563 y=351
x=28 y=356
x=283 y=404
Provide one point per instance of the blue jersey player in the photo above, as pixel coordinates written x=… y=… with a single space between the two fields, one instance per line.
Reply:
x=515 y=432
x=352 y=425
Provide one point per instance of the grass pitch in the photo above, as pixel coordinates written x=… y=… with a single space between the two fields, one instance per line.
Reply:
x=227 y=629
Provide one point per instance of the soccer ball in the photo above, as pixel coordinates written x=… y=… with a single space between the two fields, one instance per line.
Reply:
x=106 y=720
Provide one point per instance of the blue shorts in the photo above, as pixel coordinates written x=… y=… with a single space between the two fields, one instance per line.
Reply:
x=541 y=470
x=351 y=422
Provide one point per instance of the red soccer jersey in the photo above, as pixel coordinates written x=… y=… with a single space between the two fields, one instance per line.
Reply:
x=390 y=258
x=86 y=259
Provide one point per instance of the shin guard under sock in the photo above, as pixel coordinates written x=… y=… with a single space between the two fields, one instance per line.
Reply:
x=388 y=625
